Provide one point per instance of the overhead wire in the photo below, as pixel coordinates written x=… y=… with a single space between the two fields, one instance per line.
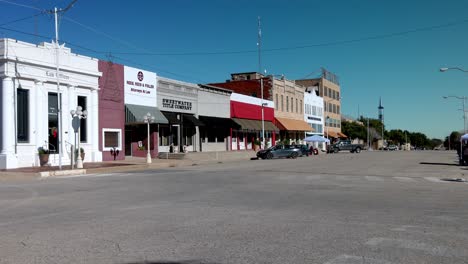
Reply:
x=22 y=19
x=22 y=5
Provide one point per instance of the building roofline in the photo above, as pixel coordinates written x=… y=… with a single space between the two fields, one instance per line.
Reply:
x=215 y=88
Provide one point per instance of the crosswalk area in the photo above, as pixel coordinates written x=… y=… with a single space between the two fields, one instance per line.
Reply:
x=357 y=178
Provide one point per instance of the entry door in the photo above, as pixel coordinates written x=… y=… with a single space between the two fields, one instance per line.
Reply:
x=128 y=142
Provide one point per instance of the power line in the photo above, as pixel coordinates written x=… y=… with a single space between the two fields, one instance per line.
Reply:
x=325 y=44
x=22 y=5
x=24 y=18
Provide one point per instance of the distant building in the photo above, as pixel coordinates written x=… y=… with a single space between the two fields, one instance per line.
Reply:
x=288 y=98
x=329 y=88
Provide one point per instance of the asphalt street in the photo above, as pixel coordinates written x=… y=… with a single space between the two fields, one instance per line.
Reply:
x=372 y=207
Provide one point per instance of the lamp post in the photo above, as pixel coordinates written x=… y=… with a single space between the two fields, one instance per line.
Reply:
x=79 y=114
x=463 y=98
x=148 y=118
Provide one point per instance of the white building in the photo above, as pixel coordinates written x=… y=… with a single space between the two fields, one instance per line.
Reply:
x=29 y=103
x=313 y=111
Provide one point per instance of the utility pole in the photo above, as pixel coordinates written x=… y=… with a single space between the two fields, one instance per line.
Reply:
x=57 y=71
x=259 y=44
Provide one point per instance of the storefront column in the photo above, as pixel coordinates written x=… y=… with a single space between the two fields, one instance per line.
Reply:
x=197 y=139
x=230 y=139
x=71 y=104
x=39 y=115
x=8 y=158
x=96 y=155
x=273 y=138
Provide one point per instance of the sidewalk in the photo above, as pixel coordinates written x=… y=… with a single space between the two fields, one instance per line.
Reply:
x=129 y=164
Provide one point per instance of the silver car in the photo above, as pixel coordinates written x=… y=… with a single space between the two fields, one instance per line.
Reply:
x=279 y=151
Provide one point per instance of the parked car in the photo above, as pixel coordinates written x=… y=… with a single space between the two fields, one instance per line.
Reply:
x=279 y=151
x=392 y=147
x=345 y=145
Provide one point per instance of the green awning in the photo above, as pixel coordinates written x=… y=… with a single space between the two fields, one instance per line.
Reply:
x=134 y=114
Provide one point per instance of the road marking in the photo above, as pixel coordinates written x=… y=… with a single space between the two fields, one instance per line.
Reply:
x=344 y=178
x=381 y=242
x=433 y=179
x=94 y=175
x=313 y=177
x=404 y=179
x=373 y=178
x=287 y=177
x=347 y=259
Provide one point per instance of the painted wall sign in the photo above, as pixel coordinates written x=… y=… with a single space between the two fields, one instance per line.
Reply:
x=140 y=87
x=176 y=104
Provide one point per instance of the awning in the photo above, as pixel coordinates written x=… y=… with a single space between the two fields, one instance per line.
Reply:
x=218 y=122
x=254 y=125
x=134 y=114
x=293 y=124
x=188 y=118
x=332 y=134
x=341 y=135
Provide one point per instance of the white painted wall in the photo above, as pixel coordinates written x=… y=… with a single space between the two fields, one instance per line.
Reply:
x=32 y=67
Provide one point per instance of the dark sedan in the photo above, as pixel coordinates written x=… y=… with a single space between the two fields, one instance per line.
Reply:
x=279 y=151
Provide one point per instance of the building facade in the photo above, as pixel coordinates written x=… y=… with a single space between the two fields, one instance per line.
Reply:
x=329 y=88
x=289 y=109
x=214 y=112
x=178 y=102
x=33 y=101
x=313 y=111
x=288 y=98
x=246 y=112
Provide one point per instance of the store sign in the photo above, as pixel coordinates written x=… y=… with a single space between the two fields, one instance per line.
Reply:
x=140 y=87
x=53 y=74
x=314 y=118
x=176 y=104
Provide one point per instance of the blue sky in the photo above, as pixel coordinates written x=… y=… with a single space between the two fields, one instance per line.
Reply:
x=402 y=69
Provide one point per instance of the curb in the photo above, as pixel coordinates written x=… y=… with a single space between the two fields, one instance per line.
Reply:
x=45 y=174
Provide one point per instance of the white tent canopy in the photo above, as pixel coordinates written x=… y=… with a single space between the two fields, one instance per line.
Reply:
x=316 y=138
x=464 y=137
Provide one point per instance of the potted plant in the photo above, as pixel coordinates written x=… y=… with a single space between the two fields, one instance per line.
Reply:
x=82 y=153
x=256 y=144
x=43 y=155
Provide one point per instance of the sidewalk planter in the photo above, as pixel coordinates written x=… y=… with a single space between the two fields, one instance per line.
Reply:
x=82 y=154
x=43 y=156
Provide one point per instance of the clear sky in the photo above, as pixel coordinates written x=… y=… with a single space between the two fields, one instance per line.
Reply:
x=204 y=41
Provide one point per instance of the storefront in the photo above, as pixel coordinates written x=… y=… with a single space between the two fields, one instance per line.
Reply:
x=246 y=112
x=215 y=113
x=127 y=95
x=313 y=114
x=178 y=102
x=34 y=100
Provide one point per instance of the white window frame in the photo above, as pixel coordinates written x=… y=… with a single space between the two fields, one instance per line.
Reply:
x=104 y=140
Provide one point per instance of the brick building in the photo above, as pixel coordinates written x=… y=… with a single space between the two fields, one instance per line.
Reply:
x=288 y=98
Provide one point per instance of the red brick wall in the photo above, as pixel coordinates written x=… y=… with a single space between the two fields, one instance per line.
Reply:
x=111 y=103
x=249 y=87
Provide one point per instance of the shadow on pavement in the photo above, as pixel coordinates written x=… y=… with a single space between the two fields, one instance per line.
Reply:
x=171 y=262
x=439 y=163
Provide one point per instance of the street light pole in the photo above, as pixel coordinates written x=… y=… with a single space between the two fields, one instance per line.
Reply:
x=80 y=114
x=148 y=118
x=263 y=114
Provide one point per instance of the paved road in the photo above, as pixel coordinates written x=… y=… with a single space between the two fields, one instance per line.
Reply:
x=377 y=208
